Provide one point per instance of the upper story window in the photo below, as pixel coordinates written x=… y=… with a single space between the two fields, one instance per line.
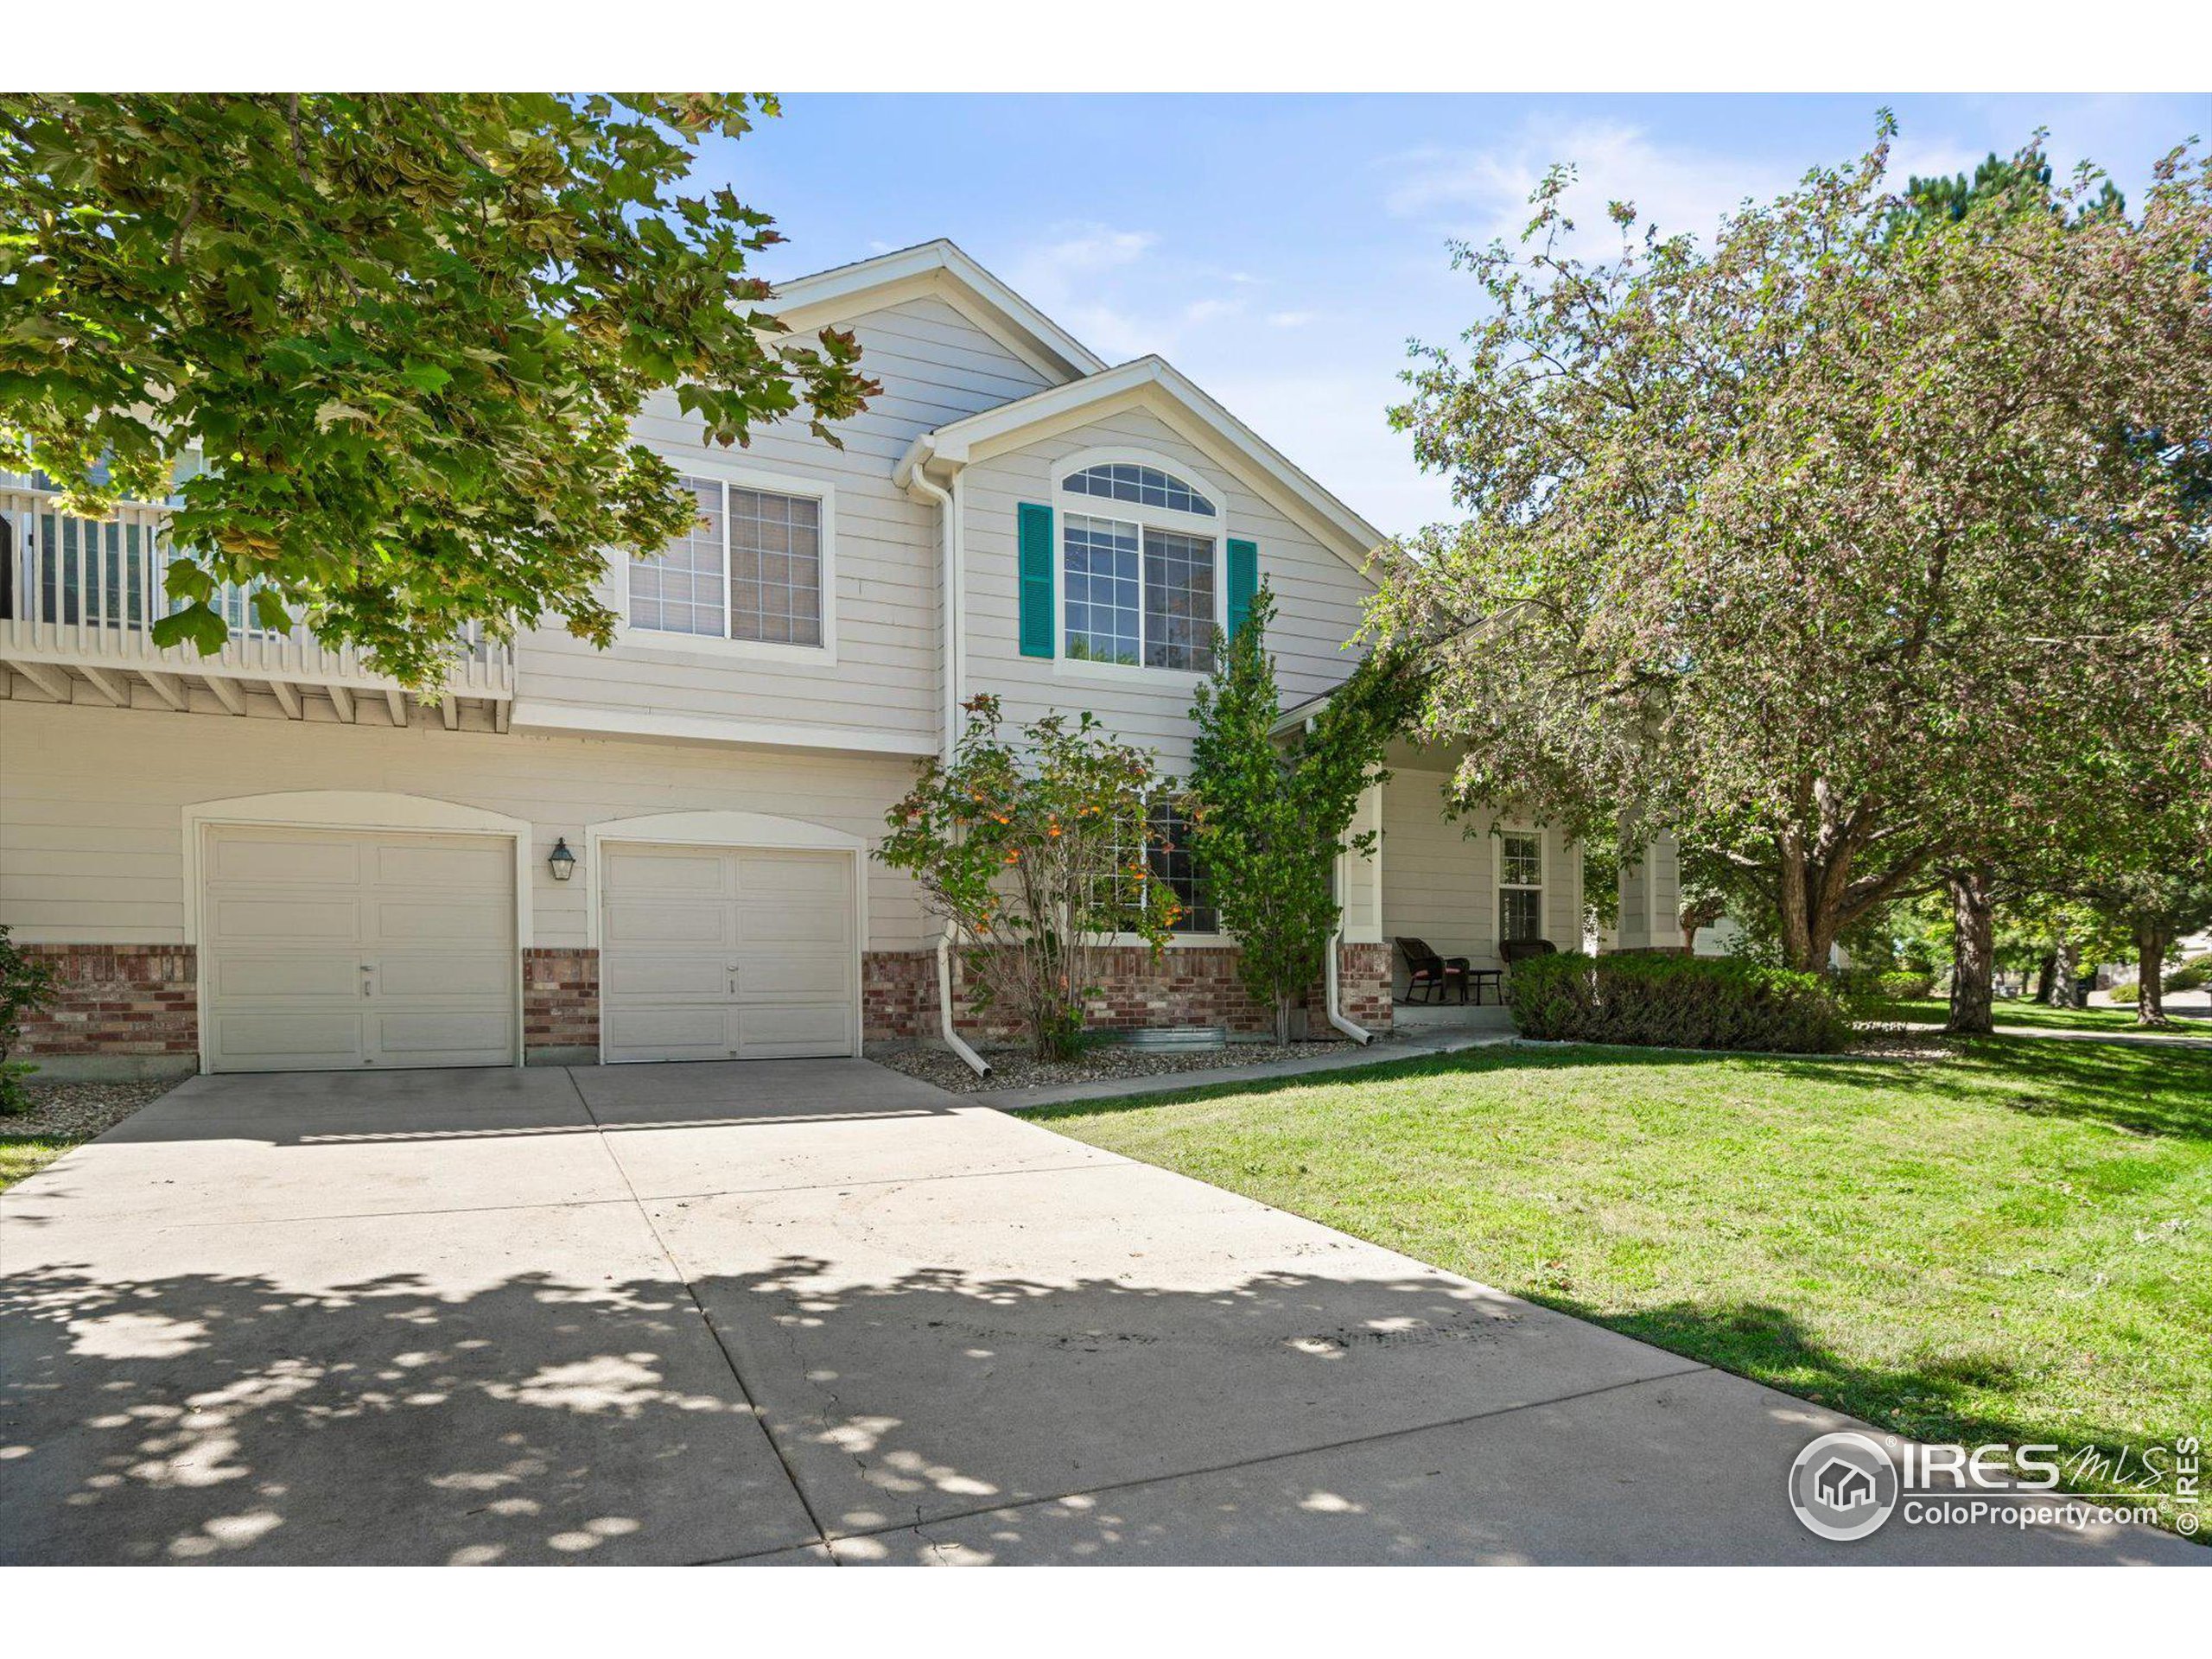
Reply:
x=1140 y=486
x=1138 y=589
x=749 y=568
x=1520 y=886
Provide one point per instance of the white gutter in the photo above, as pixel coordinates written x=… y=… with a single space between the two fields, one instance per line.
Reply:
x=948 y=513
x=917 y=479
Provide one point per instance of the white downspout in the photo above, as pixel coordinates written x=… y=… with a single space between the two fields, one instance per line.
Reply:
x=949 y=518
x=1358 y=1033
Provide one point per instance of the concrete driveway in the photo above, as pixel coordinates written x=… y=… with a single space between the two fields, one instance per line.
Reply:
x=806 y=1311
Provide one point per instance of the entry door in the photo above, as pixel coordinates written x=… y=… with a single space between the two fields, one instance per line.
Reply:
x=716 y=953
x=326 y=949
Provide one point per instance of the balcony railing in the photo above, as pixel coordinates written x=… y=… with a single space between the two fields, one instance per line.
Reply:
x=84 y=594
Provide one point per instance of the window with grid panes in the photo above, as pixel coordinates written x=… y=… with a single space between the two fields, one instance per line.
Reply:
x=749 y=568
x=1519 y=886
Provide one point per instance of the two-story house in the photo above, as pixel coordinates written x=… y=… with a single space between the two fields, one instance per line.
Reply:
x=272 y=858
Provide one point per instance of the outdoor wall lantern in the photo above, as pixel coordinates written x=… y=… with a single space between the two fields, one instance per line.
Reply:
x=563 y=861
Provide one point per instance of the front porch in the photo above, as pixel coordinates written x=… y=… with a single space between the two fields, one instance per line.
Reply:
x=1462 y=886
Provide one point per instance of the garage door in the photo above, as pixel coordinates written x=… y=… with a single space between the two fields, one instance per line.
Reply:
x=330 y=949
x=714 y=953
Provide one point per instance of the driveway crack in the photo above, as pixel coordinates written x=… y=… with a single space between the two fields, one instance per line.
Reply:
x=767 y=1432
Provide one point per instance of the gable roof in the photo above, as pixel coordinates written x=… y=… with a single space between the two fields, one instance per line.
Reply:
x=1154 y=384
x=942 y=270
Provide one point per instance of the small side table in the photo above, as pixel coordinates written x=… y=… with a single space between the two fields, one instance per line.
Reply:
x=1494 y=977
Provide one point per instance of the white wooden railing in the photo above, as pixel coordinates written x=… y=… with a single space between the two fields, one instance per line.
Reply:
x=85 y=593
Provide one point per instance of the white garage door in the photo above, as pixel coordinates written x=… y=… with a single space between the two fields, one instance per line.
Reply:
x=715 y=953
x=329 y=948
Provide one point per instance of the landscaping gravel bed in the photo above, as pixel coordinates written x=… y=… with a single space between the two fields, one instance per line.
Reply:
x=78 y=1111
x=1014 y=1069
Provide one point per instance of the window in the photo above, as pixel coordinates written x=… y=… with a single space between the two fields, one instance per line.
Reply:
x=1171 y=869
x=1519 y=886
x=1175 y=868
x=1099 y=558
x=1142 y=486
x=1138 y=584
x=749 y=568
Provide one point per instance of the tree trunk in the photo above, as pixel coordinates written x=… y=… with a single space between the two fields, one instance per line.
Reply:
x=2047 y=978
x=2066 y=968
x=1974 y=955
x=1282 y=1017
x=2151 y=942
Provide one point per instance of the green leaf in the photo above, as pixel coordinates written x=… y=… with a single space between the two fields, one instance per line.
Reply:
x=269 y=611
x=197 y=623
x=185 y=580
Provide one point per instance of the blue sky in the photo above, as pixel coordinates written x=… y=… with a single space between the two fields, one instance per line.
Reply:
x=1281 y=249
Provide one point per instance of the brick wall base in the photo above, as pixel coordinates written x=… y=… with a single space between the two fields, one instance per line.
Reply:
x=1194 y=985
x=898 y=996
x=136 y=1001
x=135 y=1005
x=560 y=1006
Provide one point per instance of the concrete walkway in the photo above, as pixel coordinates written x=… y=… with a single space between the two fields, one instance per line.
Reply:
x=808 y=1313
x=1404 y=1046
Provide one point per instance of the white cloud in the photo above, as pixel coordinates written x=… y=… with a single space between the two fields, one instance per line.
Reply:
x=1483 y=194
x=1290 y=319
x=1108 y=286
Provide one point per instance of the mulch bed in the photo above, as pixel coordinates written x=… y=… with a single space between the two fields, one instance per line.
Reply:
x=1014 y=1069
x=78 y=1111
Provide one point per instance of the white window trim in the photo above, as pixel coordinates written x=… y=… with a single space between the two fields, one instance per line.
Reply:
x=1214 y=530
x=629 y=637
x=1500 y=886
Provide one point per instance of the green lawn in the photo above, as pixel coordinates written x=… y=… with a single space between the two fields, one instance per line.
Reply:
x=2013 y=1244
x=25 y=1155
x=1933 y=1011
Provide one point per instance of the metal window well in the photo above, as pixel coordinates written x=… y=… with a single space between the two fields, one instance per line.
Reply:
x=1176 y=1040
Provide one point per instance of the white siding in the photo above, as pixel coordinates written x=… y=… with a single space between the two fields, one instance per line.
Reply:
x=936 y=367
x=91 y=804
x=1318 y=597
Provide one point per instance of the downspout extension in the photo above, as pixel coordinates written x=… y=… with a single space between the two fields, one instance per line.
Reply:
x=953 y=1041
x=1358 y=1033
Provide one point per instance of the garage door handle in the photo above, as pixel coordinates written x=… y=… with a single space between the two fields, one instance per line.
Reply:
x=368 y=979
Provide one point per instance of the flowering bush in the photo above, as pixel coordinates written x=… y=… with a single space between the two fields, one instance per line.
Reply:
x=1038 y=852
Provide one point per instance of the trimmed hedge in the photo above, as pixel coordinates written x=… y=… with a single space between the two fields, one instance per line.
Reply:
x=2192 y=973
x=2125 y=995
x=1674 y=1001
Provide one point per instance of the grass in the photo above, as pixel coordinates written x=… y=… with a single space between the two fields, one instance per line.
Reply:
x=2013 y=1244
x=1933 y=1011
x=22 y=1156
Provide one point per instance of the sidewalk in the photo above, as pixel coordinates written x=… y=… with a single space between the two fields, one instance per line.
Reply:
x=1408 y=1046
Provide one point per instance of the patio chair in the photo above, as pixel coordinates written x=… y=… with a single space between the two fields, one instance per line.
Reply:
x=1428 y=973
x=1515 y=950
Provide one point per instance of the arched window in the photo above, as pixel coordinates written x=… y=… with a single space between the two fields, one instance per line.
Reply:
x=1143 y=486
x=1138 y=555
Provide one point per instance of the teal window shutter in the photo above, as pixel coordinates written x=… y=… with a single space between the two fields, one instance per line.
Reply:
x=1036 y=523
x=1244 y=582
